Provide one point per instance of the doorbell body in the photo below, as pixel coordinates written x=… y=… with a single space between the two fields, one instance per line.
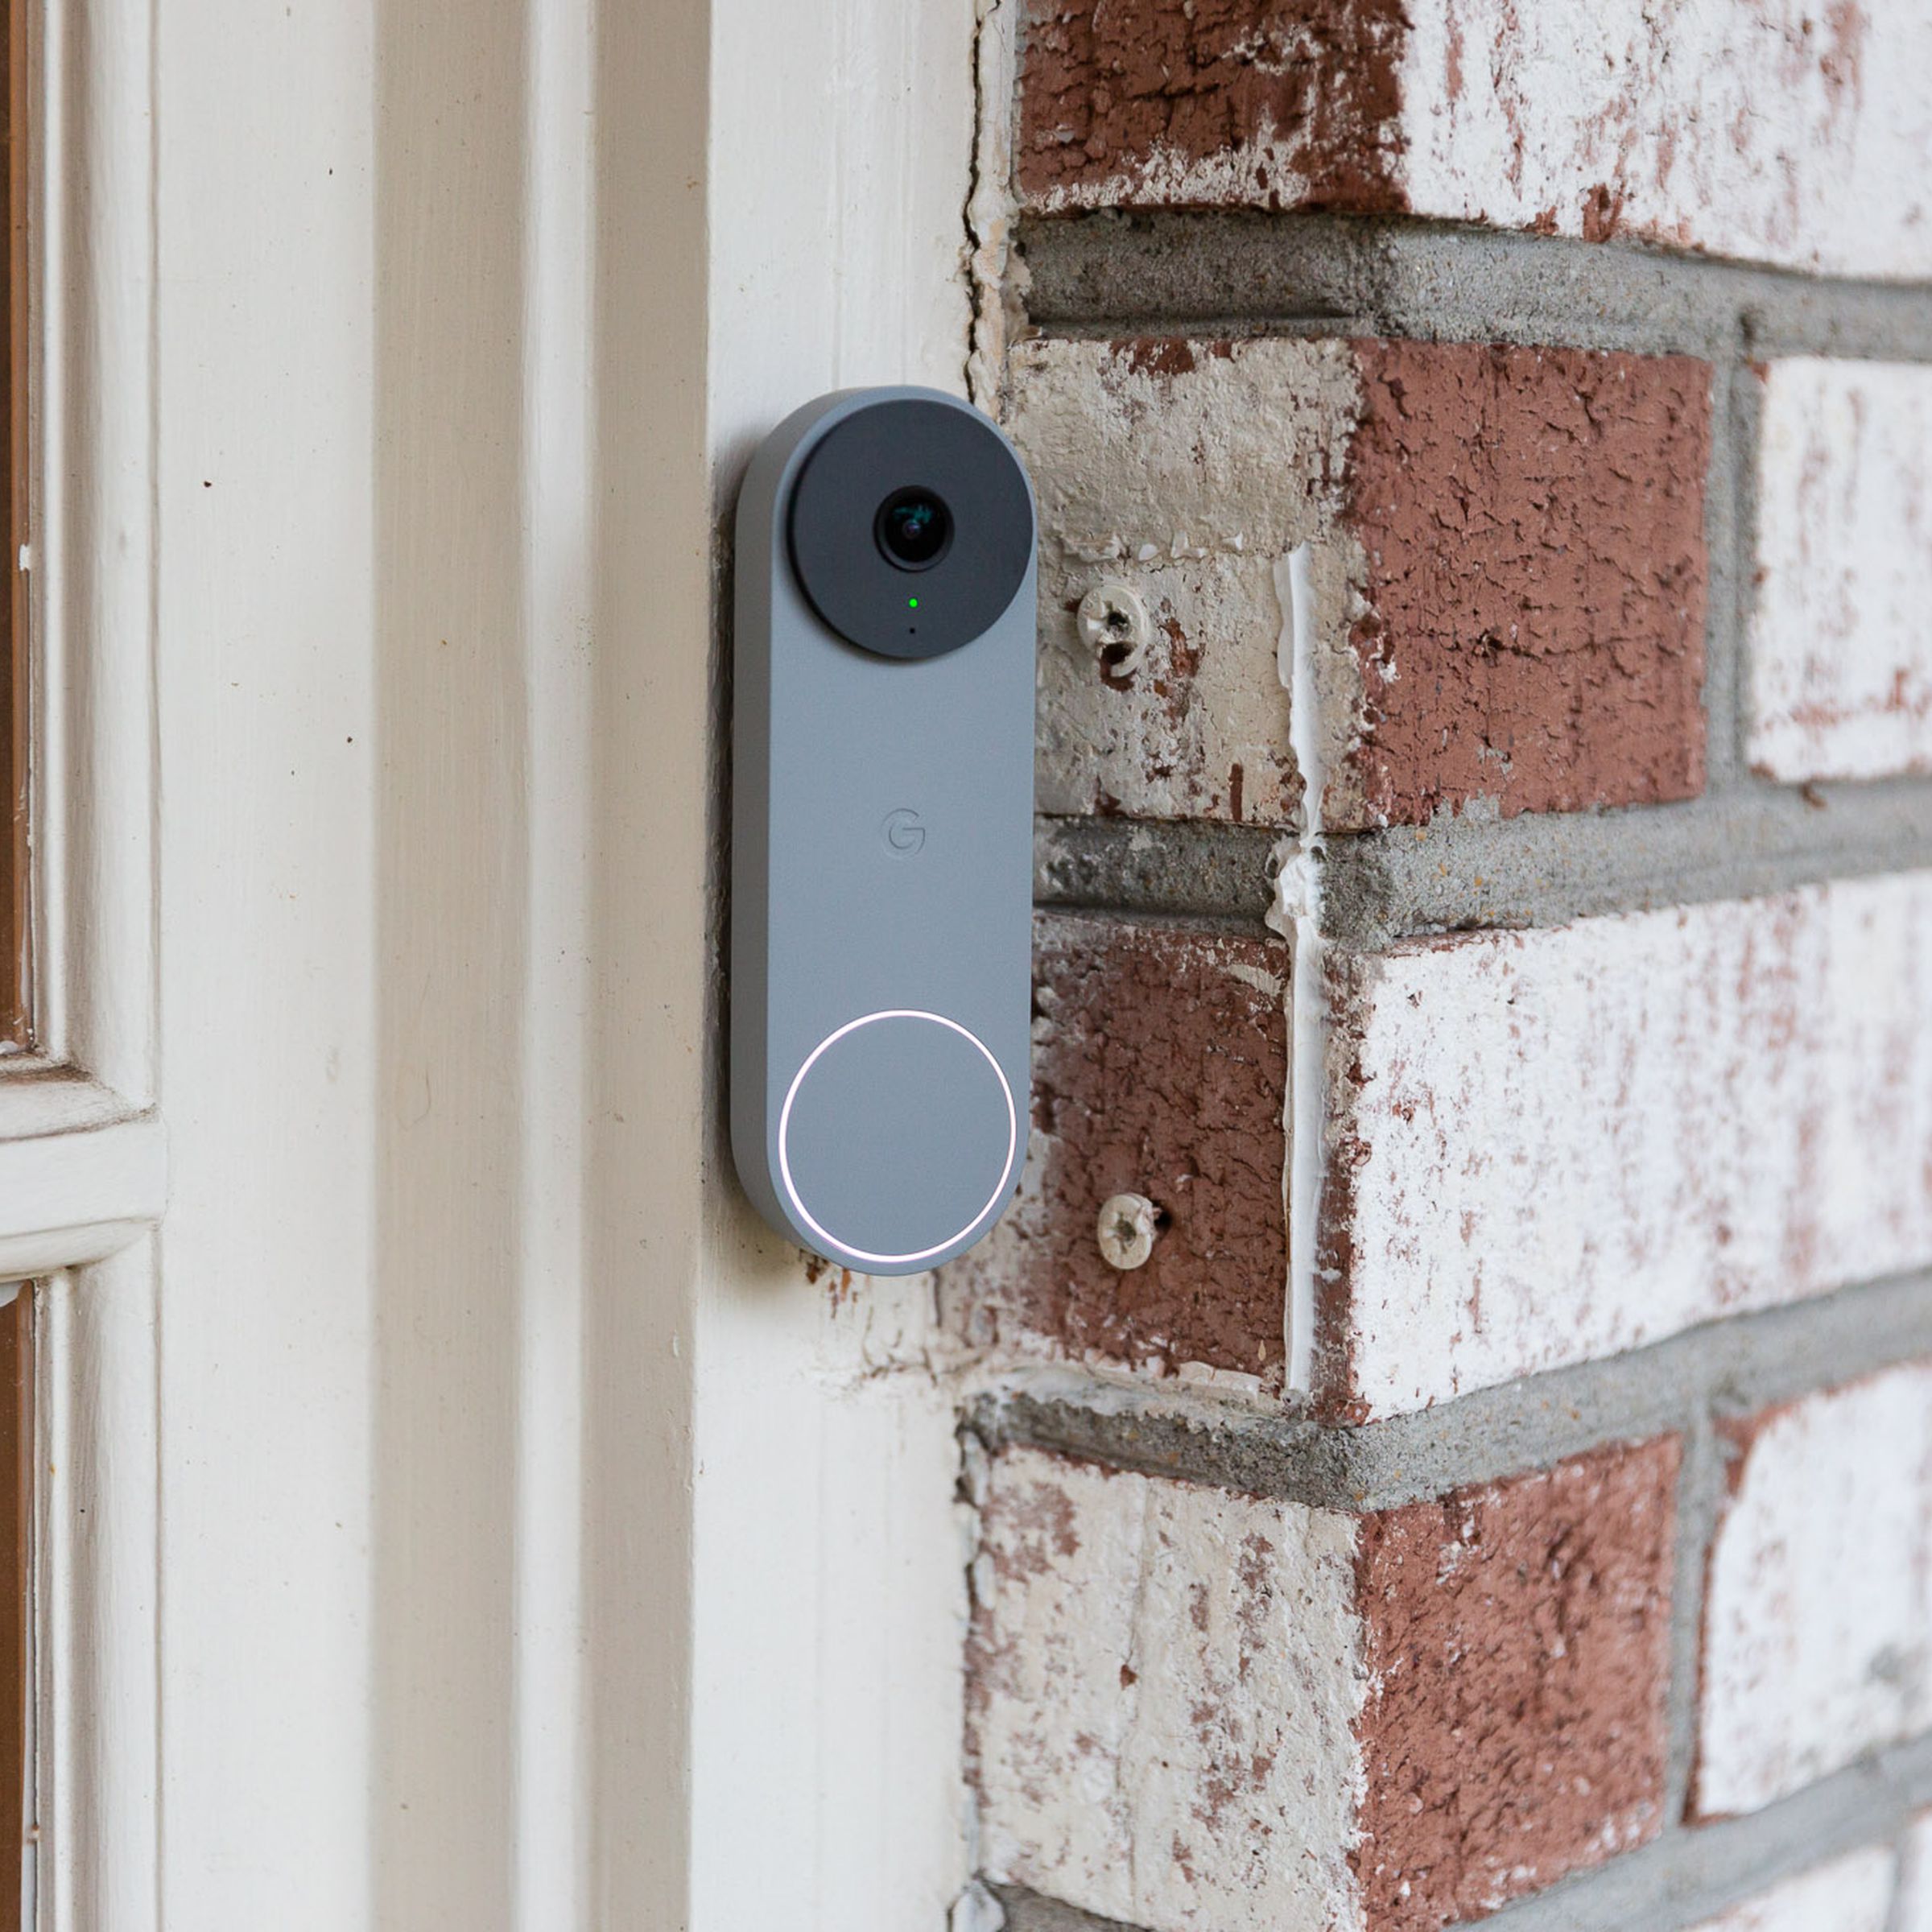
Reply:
x=882 y=828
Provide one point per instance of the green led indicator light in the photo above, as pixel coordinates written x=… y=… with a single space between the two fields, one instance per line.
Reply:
x=912 y=603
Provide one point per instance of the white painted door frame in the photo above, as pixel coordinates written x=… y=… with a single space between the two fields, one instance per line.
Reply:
x=461 y=1511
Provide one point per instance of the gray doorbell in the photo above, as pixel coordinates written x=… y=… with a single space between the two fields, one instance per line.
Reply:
x=882 y=828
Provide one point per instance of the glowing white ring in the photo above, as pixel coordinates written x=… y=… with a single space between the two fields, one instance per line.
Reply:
x=791 y=1093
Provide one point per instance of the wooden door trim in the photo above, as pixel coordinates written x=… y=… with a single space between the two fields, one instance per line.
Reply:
x=16 y=1623
x=15 y=952
x=78 y=1115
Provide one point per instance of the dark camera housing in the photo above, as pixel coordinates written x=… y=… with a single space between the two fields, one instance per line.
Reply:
x=886 y=578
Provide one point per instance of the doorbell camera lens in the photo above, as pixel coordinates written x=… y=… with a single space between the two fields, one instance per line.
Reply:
x=914 y=528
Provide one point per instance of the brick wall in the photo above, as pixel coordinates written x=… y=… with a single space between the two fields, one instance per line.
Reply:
x=1455 y=1435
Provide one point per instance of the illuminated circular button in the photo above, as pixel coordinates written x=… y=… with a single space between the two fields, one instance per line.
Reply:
x=897 y=1137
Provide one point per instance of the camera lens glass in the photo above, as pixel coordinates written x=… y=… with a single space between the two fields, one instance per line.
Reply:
x=914 y=528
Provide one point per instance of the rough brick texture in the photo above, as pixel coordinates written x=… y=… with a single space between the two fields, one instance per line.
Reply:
x=1547 y=1146
x=1480 y=571
x=1775 y=130
x=1191 y=1709
x=1841 y=635
x=1515 y=1639
x=1158 y=105
x=1852 y=1894
x=1817 y=1638
x=1539 y=1148
x=1159 y=1061
x=1372 y=598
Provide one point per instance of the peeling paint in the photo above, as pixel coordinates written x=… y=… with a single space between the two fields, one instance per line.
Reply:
x=1297 y=916
x=1213 y=100
x=997 y=279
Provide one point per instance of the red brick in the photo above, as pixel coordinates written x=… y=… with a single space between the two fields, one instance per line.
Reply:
x=1500 y=550
x=1193 y=1708
x=1518 y=1647
x=1534 y=628
x=1536 y=1148
x=1160 y=1059
x=1110 y=88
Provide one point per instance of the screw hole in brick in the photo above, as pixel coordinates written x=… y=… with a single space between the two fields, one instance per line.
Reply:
x=1129 y=1225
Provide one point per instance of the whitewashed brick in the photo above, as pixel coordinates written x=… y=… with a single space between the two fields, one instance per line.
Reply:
x=1195 y=1711
x=1818 y=1637
x=1915 y=1881
x=1189 y=481
x=1852 y=1894
x=1153 y=1641
x=1547 y=1146
x=1790 y=131
x=1841 y=638
x=1794 y=132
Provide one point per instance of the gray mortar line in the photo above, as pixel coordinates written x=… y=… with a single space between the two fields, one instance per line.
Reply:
x=1479 y=870
x=1689 y=1873
x=1188 y=869
x=1732 y=1367
x=1700 y=1503
x=1028 y=1912
x=1185 y=923
x=1205 y=273
x=1741 y=428
x=1685 y=1876
x=1482 y=870
x=1728 y=530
